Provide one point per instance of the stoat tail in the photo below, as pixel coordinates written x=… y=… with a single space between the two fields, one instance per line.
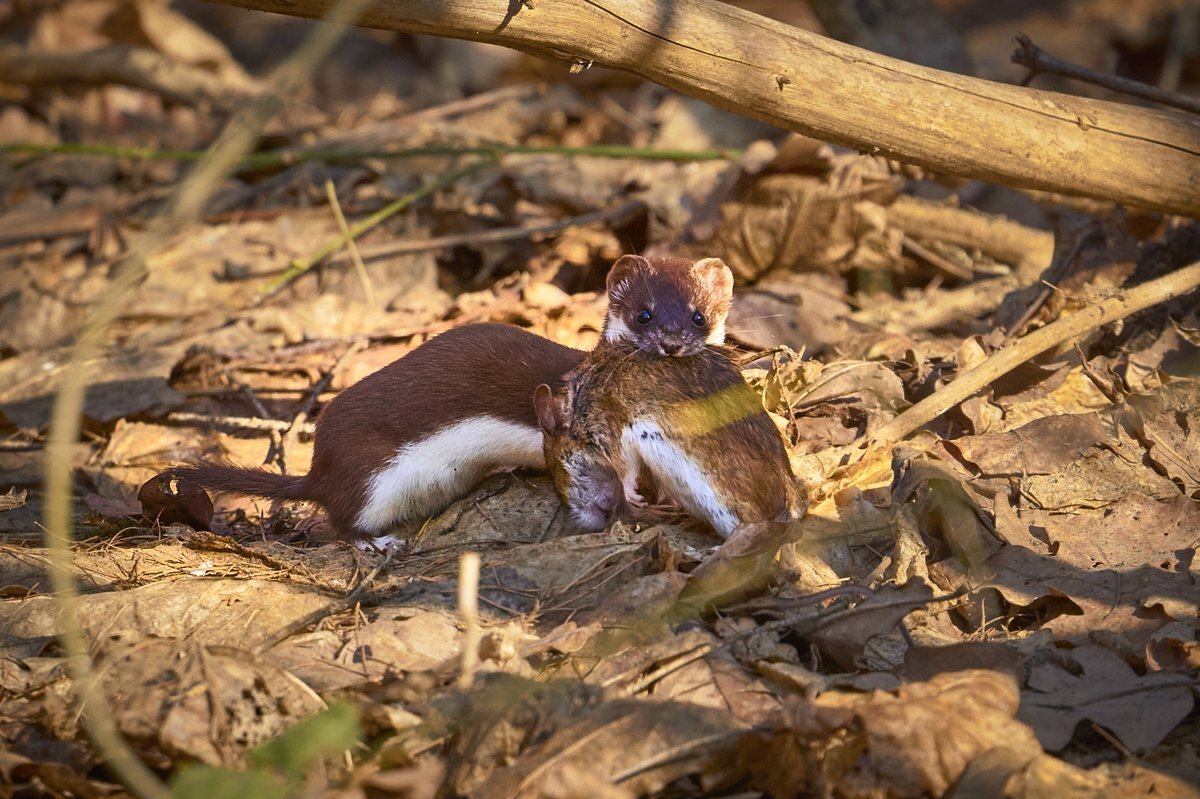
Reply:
x=255 y=482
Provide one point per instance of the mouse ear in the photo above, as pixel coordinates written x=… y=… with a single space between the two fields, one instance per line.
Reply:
x=549 y=414
x=621 y=270
x=720 y=275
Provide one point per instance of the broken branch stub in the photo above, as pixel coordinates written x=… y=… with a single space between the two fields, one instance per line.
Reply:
x=804 y=82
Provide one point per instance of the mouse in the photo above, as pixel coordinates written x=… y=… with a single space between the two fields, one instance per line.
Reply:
x=667 y=305
x=690 y=421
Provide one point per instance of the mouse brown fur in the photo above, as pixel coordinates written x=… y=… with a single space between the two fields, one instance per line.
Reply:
x=692 y=421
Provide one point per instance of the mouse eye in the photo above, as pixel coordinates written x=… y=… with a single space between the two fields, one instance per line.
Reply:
x=698 y=319
x=645 y=316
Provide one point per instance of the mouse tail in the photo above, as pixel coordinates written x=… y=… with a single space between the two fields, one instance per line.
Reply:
x=236 y=480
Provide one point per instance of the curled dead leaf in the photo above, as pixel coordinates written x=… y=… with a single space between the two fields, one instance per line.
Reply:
x=915 y=741
x=1138 y=709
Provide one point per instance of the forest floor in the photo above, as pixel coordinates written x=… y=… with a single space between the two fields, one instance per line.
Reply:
x=1019 y=609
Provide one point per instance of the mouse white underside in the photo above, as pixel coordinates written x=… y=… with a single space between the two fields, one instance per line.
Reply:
x=676 y=472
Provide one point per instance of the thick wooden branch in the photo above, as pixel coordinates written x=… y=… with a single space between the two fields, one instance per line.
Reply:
x=803 y=82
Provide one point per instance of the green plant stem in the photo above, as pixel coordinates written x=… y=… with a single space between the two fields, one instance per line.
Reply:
x=240 y=135
x=59 y=518
x=300 y=266
x=281 y=158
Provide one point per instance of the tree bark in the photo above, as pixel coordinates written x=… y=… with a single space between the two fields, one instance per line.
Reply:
x=1146 y=158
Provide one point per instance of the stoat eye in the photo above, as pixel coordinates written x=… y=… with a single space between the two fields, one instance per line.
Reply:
x=645 y=316
x=698 y=319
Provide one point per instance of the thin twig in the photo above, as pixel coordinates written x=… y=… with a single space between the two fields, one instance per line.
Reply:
x=387 y=249
x=468 y=608
x=239 y=422
x=351 y=244
x=936 y=260
x=385 y=131
x=274 y=160
x=275 y=450
x=354 y=597
x=300 y=423
x=1030 y=56
x=1118 y=306
x=238 y=137
x=300 y=266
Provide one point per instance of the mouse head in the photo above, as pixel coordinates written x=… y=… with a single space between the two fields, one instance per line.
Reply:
x=584 y=479
x=669 y=306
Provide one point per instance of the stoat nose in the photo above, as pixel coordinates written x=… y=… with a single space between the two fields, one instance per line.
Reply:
x=671 y=346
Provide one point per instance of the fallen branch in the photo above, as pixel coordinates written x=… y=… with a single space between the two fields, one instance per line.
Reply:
x=283 y=158
x=951 y=306
x=1001 y=238
x=1034 y=59
x=238 y=422
x=822 y=88
x=130 y=66
x=1121 y=304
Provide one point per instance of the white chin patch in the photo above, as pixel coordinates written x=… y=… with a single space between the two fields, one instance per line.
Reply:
x=615 y=329
x=425 y=476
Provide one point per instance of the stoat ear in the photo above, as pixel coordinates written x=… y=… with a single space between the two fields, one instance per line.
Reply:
x=549 y=414
x=720 y=275
x=623 y=268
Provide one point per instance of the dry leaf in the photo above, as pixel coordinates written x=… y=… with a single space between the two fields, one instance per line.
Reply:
x=1139 y=710
x=914 y=742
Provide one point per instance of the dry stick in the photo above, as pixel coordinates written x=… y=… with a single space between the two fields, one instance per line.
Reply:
x=300 y=419
x=351 y=244
x=238 y=137
x=386 y=131
x=935 y=260
x=30 y=225
x=272 y=160
x=1033 y=58
x=468 y=607
x=300 y=266
x=239 y=422
x=131 y=66
x=354 y=597
x=1121 y=304
x=997 y=236
x=389 y=248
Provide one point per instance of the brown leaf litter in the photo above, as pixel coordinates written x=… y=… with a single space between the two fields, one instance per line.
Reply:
x=1005 y=604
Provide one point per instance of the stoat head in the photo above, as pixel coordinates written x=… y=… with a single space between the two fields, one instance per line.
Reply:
x=584 y=479
x=669 y=306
